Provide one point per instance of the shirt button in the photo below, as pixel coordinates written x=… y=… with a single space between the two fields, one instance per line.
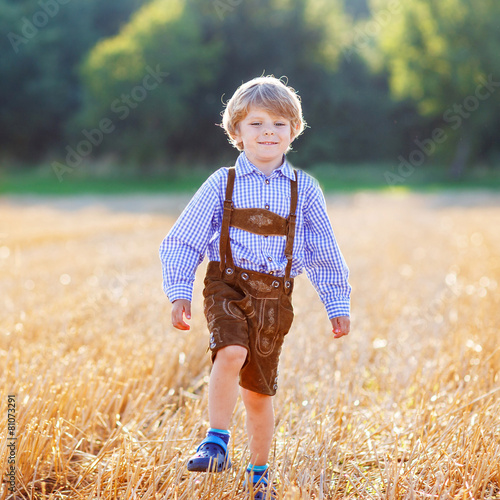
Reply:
x=269 y=259
x=267 y=207
x=267 y=181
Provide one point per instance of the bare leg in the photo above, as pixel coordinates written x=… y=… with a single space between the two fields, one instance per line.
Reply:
x=260 y=425
x=223 y=386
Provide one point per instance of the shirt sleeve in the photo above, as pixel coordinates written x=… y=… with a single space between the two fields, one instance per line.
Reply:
x=184 y=247
x=323 y=261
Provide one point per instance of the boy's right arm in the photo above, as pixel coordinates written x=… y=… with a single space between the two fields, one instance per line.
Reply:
x=181 y=308
x=186 y=244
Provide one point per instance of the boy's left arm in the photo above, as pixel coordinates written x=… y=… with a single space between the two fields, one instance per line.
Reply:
x=341 y=326
x=325 y=264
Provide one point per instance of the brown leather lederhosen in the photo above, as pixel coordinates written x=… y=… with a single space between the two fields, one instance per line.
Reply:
x=250 y=308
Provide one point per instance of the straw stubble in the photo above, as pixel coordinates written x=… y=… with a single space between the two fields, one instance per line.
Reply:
x=111 y=400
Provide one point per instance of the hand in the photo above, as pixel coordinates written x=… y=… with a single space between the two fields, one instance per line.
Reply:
x=341 y=326
x=180 y=308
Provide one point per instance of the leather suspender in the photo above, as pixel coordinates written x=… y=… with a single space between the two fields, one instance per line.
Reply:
x=226 y=257
x=291 y=227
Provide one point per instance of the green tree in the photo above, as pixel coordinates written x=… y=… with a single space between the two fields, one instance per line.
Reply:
x=444 y=55
x=42 y=42
x=145 y=80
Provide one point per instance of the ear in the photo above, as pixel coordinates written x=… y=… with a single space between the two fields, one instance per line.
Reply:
x=294 y=132
x=236 y=134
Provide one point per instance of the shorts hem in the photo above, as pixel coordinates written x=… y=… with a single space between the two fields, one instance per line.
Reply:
x=258 y=391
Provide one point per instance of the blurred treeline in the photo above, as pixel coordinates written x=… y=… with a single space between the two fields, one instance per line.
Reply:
x=143 y=82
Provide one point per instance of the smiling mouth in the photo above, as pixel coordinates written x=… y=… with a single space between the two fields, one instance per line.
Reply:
x=268 y=143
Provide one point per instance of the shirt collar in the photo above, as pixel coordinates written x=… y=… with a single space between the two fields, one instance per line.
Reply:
x=244 y=167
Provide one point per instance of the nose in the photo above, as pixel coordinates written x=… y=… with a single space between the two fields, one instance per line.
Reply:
x=268 y=131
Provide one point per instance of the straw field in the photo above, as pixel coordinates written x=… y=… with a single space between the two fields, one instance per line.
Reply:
x=108 y=400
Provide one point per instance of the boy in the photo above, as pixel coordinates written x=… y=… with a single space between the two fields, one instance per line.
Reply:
x=261 y=224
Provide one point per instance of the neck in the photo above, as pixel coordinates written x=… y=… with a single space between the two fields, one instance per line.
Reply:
x=266 y=167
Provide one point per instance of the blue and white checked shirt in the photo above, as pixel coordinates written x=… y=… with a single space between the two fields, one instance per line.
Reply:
x=315 y=249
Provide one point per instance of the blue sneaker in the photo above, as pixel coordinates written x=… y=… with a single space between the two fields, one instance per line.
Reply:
x=210 y=456
x=258 y=487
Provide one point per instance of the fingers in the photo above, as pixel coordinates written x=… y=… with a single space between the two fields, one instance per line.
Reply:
x=187 y=309
x=181 y=308
x=180 y=324
x=339 y=334
x=341 y=326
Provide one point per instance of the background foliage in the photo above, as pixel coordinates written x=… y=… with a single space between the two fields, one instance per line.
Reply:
x=377 y=78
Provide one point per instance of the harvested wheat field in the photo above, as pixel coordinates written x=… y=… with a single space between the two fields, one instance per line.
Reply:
x=110 y=400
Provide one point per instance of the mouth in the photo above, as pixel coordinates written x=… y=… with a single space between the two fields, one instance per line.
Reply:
x=268 y=143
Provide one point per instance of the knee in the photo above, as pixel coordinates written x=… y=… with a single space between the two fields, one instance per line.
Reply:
x=256 y=401
x=232 y=357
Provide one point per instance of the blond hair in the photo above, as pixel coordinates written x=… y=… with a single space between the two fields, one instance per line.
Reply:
x=268 y=93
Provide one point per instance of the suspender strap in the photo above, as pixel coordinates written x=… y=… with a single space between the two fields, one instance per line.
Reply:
x=291 y=227
x=224 y=245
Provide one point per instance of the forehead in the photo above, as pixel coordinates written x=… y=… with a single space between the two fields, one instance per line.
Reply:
x=255 y=112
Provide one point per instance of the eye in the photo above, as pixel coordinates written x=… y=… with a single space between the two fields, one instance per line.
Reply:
x=255 y=123
x=280 y=124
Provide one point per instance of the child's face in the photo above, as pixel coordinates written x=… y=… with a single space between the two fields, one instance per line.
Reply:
x=265 y=138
